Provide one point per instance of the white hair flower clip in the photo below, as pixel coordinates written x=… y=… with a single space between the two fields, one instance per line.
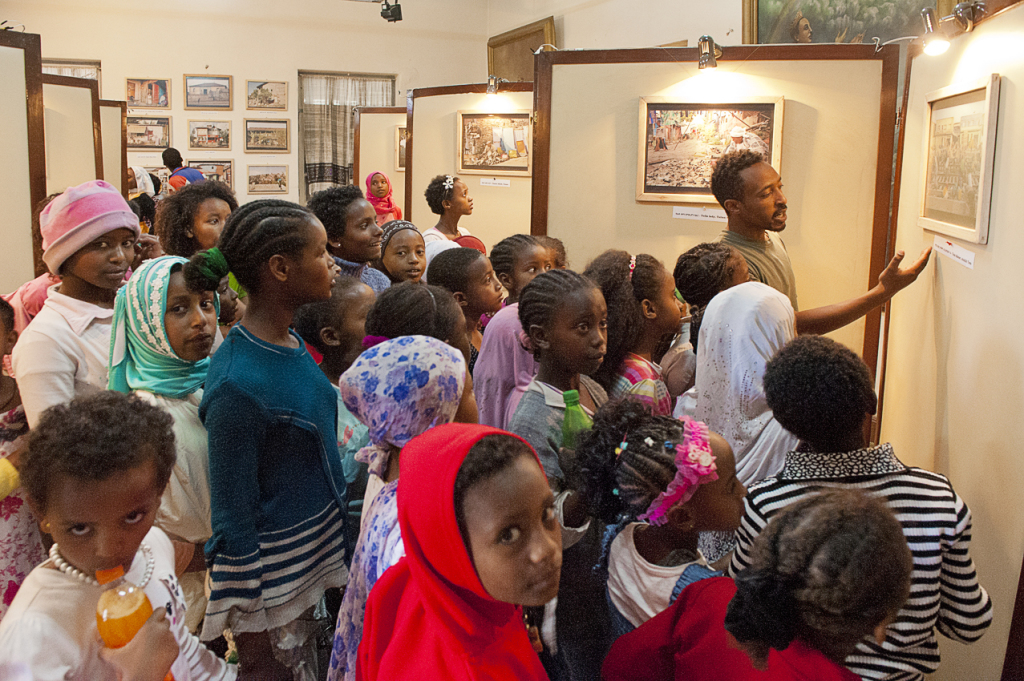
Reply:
x=449 y=182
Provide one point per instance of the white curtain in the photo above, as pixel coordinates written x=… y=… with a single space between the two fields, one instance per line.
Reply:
x=326 y=123
x=90 y=71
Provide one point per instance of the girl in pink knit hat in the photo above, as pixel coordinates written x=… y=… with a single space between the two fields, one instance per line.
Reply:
x=89 y=235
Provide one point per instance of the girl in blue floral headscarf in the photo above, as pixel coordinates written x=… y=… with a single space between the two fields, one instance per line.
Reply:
x=399 y=389
x=160 y=347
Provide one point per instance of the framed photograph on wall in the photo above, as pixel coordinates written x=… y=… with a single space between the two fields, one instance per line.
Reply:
x=834 y=21
x=266 y=95
x=208 y=92
x=161 y=172
x=221 y=171
x=267 y=179
x=960 y=144
x=209 y=135
x=148 y=93
x=400 y=141
x=146 y=133
x=494 y=143
x=679 y=143
x=264 y=135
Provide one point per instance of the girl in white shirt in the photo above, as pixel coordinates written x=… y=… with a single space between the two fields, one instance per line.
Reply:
x=94 y=472
x=658 y=482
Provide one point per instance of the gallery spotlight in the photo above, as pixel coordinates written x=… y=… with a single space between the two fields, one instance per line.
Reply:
x=936 y=37
x=391 y=13
x=935 y=41
x=709 y=53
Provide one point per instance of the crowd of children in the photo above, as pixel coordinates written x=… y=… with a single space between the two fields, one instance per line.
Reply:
x=326 y=443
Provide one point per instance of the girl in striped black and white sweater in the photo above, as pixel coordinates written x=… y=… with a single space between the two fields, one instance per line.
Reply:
x=823 y=393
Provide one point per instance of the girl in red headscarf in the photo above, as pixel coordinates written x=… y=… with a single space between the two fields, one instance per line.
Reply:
x=378 y=193
x=481 y=540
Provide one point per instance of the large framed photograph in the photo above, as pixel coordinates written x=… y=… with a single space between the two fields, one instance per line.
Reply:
x=208 y=92
x=146 y=133
x=263 y=135
x=680 y=142
x=494 y=143
x=268 y=95
x=215 y=135
x=148 y=93
x=834 y=21
x=960 y=139
x=267 y=179
x=221 y=171
x=401 y=139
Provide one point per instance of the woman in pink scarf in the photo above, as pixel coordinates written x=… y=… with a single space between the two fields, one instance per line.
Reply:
x=378 y=193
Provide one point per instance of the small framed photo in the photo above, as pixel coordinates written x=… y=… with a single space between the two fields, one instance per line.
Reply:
x=400 y=142
x=266 y=95
x=960 y=144
x=161 y=172
x=145 y=133
x=208 y=92
x=267 y=179
x=680 y=142
x=209 y=135
x=494 y=143
x=148 y=93
x=264 y=135
x=221 y=171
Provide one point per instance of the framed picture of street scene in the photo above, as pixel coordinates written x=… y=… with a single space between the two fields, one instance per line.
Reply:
x=221 y=171
x=494 y=143
x=145 y=133
x=267 y=179
x=960 y=139
x=209 y=135
x=679 y=143
x=834 y=21
x=264 y=135
x=266 y=95
x=148 y=93
x=208 y=92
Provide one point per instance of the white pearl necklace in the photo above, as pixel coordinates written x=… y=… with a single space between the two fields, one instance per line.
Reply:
x=75 y=573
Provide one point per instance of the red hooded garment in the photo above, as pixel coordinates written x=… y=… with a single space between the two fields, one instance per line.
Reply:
x=429 y=617
x=384 y=206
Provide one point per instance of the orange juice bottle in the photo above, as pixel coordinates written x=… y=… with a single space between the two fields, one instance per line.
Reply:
x=122 y=609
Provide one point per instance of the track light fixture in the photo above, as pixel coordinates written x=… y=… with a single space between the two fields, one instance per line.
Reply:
x=936 y=39
x=391 y=13
x=709 y=53
x=492 y=84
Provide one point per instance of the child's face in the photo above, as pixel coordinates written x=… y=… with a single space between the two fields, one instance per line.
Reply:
x=190 y=320
x=460 y=204
x=379 y=186
x=577 y=337
x=532 y=262
x=663 y=311
x=483 y=290
x=104 y=262
x=740 y=270
x=99 y=524
x=405 y=256
x=312 y=274
x=514 y=538
x=351 y=327
x=228 y=302
x=361 y=240
x=208 y=222
x=718 y=505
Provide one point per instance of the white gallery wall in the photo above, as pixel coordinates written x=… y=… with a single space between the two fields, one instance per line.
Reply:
x=954 y=384
x=16 y=266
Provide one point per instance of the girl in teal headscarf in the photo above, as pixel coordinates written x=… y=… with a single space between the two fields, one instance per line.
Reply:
x=160 y=346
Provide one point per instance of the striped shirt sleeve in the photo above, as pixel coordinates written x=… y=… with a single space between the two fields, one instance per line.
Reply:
x=965 y=611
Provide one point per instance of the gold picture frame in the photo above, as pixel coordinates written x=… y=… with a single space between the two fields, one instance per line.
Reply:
x=510 y=54
x=208 y=92
x=751 y=10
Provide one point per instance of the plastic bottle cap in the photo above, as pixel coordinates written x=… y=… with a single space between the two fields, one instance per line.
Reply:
x=107 y=576
x=571 y=397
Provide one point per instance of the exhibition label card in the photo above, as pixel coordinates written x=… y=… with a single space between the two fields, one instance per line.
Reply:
x=494 y=182
x=954 y=252
x=699 y=213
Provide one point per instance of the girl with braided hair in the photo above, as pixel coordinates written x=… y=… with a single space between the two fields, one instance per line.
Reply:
x=642 y=311
x=829 y=571
x=658 y=482
x=271 y=416
x=703 y=271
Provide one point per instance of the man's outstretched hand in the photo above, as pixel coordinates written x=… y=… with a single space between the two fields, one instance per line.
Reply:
x=893 y=279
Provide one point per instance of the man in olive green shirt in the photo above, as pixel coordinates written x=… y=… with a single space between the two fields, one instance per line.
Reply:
x=750 y=191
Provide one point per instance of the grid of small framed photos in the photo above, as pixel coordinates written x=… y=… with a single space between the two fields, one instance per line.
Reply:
x=264 y=130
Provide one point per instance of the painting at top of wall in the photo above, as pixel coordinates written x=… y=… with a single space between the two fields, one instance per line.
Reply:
x=834 y=21
x=271 y=95
x=208 y=92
